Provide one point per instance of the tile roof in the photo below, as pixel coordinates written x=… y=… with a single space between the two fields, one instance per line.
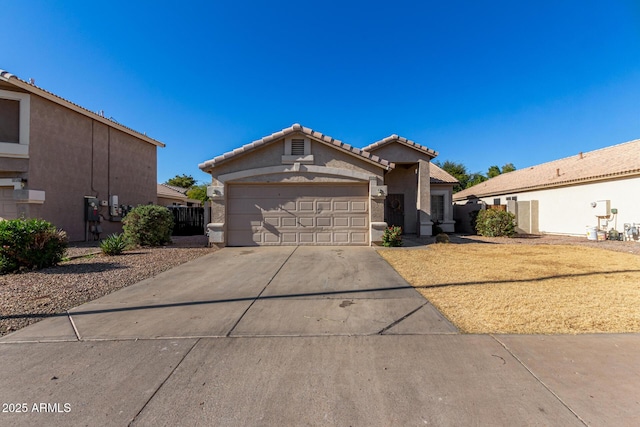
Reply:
x=403 y=141
x=296 y=128
x=440 y=176
x=180 y=190
x=32 y=88
x=169 y=191
x=619 y=160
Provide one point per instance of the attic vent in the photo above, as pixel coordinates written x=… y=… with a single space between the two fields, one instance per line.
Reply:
x=297 y=147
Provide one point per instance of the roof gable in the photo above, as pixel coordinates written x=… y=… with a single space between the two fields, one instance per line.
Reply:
x=395 y=139
x=295 y=129
x=610 y=162
x=32 y=88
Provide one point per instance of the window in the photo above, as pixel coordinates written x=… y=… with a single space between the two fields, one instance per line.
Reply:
x=496 y=201
x=437 y=207
x=514 y=198
x=10 y=121
x=297 y=147
x=14 y=124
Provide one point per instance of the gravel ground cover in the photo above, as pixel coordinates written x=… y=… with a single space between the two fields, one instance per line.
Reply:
x=29 y=297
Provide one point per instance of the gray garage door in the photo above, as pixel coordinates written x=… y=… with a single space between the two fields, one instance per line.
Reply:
x=269 y=214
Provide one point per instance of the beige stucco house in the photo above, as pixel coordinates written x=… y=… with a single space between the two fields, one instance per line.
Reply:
x=565 y=196
x=301 y=187
x=55 y=156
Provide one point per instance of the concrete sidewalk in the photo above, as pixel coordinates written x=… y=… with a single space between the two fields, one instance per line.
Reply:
x=313 y=336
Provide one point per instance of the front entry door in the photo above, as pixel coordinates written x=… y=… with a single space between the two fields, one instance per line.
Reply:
x=394 y=210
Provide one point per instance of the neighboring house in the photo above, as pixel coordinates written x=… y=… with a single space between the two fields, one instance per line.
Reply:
x=170 y=195
x=57 y=157
x=565 y=196
x=298 y=186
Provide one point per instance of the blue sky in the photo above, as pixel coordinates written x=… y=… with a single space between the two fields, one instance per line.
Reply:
x=482 y=83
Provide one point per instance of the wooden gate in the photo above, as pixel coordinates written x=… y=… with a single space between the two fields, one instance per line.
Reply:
x=188 y=220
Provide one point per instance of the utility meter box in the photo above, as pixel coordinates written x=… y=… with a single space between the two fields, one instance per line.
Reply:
x=602 y=208
x=91 y=212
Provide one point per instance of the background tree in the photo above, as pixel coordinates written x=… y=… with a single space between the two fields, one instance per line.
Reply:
x=182 y=181
x=466 y=179
x=509 y=167
x=475 y=179
x=198 y=192
x=493 y=171
x=458 y=171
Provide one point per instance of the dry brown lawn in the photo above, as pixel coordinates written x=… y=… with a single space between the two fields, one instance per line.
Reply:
x=525 y=289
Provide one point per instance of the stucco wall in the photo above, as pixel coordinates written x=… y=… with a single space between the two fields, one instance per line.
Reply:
x=567 y=210
x=71 y=156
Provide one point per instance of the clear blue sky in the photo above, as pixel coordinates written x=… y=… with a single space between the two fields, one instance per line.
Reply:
x=483 y=83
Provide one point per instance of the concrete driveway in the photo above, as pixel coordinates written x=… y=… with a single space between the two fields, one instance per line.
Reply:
x=307 y=335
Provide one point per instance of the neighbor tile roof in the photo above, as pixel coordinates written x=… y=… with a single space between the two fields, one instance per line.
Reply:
x=403 y=141
x=180 y=190
x=169 y=191
x=296 y=128
x=440 y=176
x=610 y=162
x=32 y=88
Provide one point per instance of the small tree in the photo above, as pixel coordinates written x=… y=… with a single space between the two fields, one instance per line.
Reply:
x=148 y=225
x=182 y=181
x=496 y=223
x=198 y=192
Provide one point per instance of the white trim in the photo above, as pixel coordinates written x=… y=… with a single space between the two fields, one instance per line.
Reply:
x=295 y=168
x=20 y=150
x=16 y=183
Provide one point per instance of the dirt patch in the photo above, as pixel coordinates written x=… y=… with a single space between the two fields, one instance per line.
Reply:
x=525 y=288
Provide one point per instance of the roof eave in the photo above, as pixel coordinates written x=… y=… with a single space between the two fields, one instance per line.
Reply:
x=17 y=82
x=565 y=183
x=360 y=154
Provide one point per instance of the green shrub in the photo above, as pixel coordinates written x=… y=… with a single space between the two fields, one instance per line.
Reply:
x=30 y=243
x=114 y=244
x=442 y=238
x=392 y=237
x=148 y=225
x=494 y=223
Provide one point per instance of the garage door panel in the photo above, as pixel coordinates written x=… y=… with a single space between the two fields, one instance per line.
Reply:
x=358 y=222
x=323 y=221
x=306 y=238
x=274 y=214
x=289 y=237
x=361 y=238
x=289 y=222
x=358 y=207
x=341 y=221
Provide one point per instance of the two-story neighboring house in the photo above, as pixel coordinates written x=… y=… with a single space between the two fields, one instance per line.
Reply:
x=72 y=167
